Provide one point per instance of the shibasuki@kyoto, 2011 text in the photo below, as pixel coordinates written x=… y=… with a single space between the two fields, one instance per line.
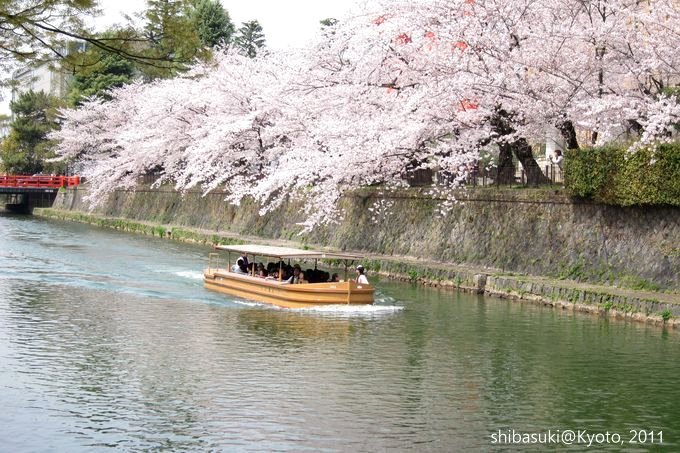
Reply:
x=583 y=437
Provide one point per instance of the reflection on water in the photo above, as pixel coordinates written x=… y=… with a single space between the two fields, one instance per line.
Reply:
x=109 y=340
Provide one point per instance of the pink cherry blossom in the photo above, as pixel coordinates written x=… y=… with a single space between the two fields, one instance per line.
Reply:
x=379 y=94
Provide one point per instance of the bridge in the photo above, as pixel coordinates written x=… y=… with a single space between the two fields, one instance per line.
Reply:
x=23 y=193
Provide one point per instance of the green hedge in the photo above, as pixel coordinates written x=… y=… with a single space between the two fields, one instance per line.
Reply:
x=613 y=176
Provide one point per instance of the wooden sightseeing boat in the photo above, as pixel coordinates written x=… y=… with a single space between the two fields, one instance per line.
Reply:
x=278 y=292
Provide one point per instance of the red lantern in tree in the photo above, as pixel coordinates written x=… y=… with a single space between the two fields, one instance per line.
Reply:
x=467 y=104
x=379 y=20
x=459 y=45
x=403 y=39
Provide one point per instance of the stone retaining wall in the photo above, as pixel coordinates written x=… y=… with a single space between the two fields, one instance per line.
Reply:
x=538 y=232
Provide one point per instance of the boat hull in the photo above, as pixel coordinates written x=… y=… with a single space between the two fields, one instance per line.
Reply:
x=286 y=295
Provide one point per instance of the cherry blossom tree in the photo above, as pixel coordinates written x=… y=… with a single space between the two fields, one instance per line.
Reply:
x=204 y=127
x=399 y=85
x=598 y=65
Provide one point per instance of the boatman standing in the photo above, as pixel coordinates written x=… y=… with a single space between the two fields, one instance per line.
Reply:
x=361 y=277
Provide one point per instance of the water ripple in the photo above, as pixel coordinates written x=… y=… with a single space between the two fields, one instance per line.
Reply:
x=109 y=341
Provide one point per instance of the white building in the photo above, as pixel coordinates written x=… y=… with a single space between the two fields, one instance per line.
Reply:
x=41 y=78
x=47 y=77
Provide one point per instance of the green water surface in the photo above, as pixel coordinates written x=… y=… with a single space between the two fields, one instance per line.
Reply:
x=108 y=341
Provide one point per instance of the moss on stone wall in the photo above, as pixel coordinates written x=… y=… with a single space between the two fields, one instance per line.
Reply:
x=616 y=304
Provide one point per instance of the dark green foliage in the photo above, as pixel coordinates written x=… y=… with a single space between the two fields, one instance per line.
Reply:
x=171 y=34
x=329 y=22
x=587 y=171
x=26 y=149
x=611 y=175
x=666 y=314
x=250 y=38
x=107 y=71
x=328 y=27
x=38 y=32
x=33 y=31
x=212 y=23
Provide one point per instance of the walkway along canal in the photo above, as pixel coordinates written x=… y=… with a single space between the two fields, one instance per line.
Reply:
x=109 y=340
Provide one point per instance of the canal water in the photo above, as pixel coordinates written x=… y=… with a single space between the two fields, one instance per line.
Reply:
x=108 y=341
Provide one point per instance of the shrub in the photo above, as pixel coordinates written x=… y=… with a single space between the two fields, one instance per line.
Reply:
x=613 y=176
x=666 y=315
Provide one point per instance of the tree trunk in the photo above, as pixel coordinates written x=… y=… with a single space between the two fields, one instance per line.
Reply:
x=502 y=125
x=523 y=153
x=569 y=134
x=506 y=169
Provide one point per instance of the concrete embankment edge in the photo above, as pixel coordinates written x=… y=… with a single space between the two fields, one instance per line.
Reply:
x=662 y=309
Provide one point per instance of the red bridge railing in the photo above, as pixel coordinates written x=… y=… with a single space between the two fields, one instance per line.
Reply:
x=47 y=182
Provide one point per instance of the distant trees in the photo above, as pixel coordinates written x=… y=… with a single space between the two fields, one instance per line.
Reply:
x=212 y=22
x=170 y=35
x=99 y=71
x=4 y=121
x=176 y=34
x=249 y=39
x=26 y=149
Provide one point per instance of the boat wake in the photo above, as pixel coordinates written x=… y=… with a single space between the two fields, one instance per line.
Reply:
x=349 y=310
x=384 y=299
x=334 y=310
x=192 y=275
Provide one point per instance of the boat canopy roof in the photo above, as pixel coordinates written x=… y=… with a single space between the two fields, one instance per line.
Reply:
x=286 y=252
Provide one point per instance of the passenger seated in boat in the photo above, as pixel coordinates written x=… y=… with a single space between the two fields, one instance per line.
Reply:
x=335 y=278
x=274 y=275
x=361 y=277
x=295 y=277
x=241 y=266
x=313 y=275
x=262 y=273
